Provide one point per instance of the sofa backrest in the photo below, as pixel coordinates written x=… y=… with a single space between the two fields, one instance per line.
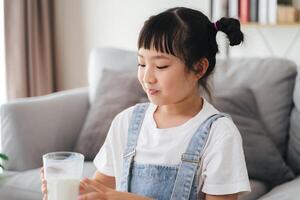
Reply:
x=108 y=58
x=272 y=81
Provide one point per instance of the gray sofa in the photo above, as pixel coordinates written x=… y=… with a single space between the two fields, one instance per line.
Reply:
x=31 y=127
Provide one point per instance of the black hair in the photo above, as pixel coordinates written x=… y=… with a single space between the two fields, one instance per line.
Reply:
x=189 y=35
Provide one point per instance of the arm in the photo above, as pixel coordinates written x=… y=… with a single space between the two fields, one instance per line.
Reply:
x=221 y=197
x=103 y=187
x=224 y=150
x=108 y=181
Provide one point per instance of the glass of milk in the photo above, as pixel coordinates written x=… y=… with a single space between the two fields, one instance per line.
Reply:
x=63 y=172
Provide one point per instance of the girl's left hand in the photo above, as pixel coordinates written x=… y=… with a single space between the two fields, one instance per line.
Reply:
x=93 y=190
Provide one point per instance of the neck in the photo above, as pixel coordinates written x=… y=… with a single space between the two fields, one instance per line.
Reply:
x=189 y=106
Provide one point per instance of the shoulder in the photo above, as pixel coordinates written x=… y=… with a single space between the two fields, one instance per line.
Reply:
x=118 y=131
x=224 y=129
x=124 y=116
x=117 y=134
x=225 y=123
x=119 y=124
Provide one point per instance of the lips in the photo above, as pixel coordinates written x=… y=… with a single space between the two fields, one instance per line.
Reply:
x=152 y=91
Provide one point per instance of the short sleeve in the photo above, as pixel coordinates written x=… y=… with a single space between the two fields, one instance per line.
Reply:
x=110 y=157
x=103 y=160
x=224 y=166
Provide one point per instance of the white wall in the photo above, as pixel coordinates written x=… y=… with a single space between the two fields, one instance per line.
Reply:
x=117 y=23
x=84 y=24
x=270 y=41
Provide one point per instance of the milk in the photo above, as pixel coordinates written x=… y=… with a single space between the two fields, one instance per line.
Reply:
x=63 y=189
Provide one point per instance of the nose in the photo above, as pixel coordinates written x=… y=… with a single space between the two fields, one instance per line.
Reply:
x=149 y=76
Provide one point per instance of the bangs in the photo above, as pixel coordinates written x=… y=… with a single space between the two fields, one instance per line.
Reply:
x=163 y=33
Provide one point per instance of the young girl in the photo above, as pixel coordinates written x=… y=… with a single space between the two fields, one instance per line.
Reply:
x=178 y=146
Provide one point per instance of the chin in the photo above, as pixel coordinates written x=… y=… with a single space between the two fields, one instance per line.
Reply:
x=159 y=101
x=155 y=101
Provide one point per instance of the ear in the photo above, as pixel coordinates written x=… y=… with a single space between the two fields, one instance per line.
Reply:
x=201 y=67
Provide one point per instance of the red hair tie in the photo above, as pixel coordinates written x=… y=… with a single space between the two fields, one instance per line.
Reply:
x=216 y=26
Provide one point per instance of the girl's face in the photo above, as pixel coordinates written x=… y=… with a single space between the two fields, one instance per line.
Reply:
x=165 y=77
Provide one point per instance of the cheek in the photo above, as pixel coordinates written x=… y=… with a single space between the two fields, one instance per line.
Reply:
x=179 y=86
x=171 y=85
x=140 y=76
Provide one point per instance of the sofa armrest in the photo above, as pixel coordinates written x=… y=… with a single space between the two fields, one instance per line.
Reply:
x=31 y=127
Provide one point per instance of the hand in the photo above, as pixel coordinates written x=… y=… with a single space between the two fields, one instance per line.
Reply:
x=94 y=190
x=44 y=184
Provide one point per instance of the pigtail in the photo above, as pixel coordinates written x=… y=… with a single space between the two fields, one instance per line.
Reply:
x=232 y=28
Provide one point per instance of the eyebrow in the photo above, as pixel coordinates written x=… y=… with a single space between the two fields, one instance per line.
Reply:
x=156 y=57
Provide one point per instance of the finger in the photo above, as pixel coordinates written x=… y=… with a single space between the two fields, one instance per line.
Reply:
x=96 y=188
x=96 y=184
x=42 y=170
x=84 y=188
x=90 y=196
x=42 y=174
x=44 y=189
x=83 y=184
x=85 y=180
x=44 y=183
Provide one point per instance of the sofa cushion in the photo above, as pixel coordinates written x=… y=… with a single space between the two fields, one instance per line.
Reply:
x=263 y=159
x=116 y=91
x=286 y=191
x=27 y=185
x=272 y=82
x=294 y=140
x=258 y=189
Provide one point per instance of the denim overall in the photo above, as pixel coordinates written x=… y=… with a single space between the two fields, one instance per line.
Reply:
x=163 y=182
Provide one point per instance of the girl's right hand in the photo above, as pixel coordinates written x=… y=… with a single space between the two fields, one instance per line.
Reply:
x=44 y=184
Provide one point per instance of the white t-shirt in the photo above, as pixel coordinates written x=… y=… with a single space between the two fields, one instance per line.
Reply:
x=222 y=167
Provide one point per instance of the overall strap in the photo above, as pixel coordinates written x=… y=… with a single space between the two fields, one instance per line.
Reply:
x=191 y=158
x=133 y=133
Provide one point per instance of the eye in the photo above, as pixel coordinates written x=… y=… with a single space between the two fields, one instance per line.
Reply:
x=140 y=65
x=162 y=67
